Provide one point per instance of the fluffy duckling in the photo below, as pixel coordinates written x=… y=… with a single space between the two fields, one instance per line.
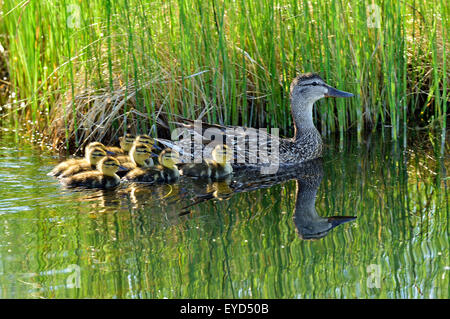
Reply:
x=63 y=166
x=139 y=155
x=104 y=177
x=217 y=168
x=147 y=140
x=166 y=172
x=94 y=156
x=126 y=142
x=141 y=139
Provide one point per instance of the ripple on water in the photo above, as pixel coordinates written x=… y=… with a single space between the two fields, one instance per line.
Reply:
x=231 y=241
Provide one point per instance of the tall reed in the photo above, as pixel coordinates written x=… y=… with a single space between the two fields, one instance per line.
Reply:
x=96 y=69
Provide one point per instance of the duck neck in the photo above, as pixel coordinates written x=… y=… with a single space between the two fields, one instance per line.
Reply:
x=303 y=118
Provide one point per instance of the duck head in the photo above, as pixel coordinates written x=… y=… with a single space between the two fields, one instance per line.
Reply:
x=95 y=154
x=311 y=87
x=147 y=140
x=169 y=158
x=126 y=142
x=305 y=90
x=139 y=153
x=108 y=166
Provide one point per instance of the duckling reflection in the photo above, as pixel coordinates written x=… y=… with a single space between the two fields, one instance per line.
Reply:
x=308 y=177
x=218 y=190
x=139 y=195
x=100 y=200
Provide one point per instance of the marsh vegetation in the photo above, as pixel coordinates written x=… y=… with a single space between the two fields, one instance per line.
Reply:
x=96 y=69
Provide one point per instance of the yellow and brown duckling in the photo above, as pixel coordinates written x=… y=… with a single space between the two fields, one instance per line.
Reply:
x=126 y=142
x=130 y=141
x=216 y=168
x=150 y=142
x=63 y=166
x=166 y=172
x=103 y=177
x=139 y=154
x=88 y=164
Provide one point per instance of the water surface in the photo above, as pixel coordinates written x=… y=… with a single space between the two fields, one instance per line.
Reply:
x=245 y=237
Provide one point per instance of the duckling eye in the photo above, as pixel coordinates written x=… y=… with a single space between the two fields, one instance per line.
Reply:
x=315 y=83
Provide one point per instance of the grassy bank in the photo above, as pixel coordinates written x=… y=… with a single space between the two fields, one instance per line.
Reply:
x=95 y=69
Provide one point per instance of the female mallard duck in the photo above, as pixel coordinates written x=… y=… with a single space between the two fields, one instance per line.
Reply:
x=139 y=154
x=266 y=149
x=94 y=156
x=63 y=166
x=166 y=172
x=217 y=168
x=104 y=177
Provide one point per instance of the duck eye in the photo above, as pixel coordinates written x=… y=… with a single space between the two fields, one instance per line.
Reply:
x=315 y=83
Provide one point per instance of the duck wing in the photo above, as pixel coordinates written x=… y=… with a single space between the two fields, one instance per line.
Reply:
x=196 y=139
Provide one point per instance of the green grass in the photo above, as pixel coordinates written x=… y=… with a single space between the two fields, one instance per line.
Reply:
x=122 y=64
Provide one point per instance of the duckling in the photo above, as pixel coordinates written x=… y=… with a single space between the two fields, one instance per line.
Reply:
x=126 y=142
x=104 y=177
x=145 y=139
x=130 y=140
x=89 y=164
x=139 y=153
x=63 y=166
x=217 y=168
x=166 y=172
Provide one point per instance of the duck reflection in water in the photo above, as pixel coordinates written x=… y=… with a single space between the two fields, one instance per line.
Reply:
x=308 y=177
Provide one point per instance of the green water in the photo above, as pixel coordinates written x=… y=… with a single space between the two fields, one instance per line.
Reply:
x=242 y=238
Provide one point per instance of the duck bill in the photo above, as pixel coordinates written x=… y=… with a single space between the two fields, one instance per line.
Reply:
x=332 y=92
x=338 y=220
x=110 y=153
x=156 y=147
x=122 y=169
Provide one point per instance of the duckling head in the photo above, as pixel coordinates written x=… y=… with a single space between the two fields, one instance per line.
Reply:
x=145 y=139
x=95 y=155
x=222 y=154
x=169 y=158
x=139 y=153
x=126 y=142
x=93 y=145
x=108 y=166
